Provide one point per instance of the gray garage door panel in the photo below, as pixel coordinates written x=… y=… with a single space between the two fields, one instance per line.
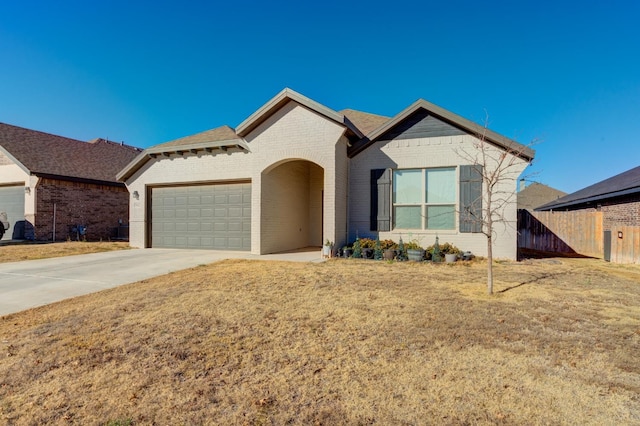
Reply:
x=12 y=202
x=202 y=216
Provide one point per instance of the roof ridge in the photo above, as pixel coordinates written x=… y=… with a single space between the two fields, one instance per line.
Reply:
x=342 y=111
x=41 y=132
x=114 y=143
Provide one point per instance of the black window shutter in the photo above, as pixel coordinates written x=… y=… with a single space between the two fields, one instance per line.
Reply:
x=471 y=198
x=380 y=217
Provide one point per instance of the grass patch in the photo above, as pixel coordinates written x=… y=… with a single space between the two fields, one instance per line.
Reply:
x=342 y=342
x=33 y=251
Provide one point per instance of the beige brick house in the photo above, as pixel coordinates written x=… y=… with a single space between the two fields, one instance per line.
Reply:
x=296 y=173
x=52 y=187
x=608 y=217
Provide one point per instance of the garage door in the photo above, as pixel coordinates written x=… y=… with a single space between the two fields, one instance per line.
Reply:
x=202 y=216
x=12 y=202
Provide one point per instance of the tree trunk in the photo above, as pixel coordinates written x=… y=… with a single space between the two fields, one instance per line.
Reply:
x=489 y=266
x=489 y=223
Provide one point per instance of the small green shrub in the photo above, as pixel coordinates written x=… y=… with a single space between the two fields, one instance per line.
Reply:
x=445 y=248
x=412 y=245
x=357 y=249
x=377 y=251
x=388 y=245
x=367 y=243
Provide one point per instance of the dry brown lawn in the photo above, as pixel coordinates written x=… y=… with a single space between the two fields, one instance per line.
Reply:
x=342 y=342
x=32 y=251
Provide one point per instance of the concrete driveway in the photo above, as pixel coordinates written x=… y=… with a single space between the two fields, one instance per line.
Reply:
x=32 y=283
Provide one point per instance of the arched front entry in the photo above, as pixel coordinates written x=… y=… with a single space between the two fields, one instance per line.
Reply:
x=291 y=206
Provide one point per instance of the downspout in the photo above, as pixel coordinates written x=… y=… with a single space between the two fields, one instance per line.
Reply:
x=348 y=224
x=54 y=222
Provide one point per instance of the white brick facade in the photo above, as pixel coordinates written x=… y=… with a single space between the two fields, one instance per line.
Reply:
x=291 y=163
x=427 y=153
x=305 y=187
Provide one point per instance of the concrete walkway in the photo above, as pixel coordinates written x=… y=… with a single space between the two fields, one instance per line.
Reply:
x=32 y=283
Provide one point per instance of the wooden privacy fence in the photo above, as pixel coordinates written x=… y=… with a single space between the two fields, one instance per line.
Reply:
x=561 y=232
x=578 y=232
x=625 y=244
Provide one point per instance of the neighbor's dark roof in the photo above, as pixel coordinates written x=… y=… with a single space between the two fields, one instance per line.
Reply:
x=45 y=154
x=625 y=183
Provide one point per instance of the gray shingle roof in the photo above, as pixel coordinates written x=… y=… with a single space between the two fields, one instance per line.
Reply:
x=46 y=154
x=219 y=134
x=364 y=121
x=625 y=183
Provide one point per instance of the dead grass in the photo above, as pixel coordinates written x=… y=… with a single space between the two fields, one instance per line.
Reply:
x=343 y=342
x=32 y=251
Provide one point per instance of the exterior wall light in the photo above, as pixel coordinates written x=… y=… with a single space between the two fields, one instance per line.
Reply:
x=27 y=190
x=620 y=234
x=136 y=195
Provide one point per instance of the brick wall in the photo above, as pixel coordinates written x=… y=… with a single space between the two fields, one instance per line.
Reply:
x=621 y=211
x=625 y=212
x=296 y=133
x=444 y=151
x=98 y=207
x=293 y=133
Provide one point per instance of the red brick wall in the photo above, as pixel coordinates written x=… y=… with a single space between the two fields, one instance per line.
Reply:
x=98 y=207
x=625 y=214
x=622 y=211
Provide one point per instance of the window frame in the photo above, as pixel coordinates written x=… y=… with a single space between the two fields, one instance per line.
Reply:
x=424 y=204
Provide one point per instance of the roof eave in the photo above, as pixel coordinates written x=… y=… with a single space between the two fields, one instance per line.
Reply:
x=199 y=146
x=132 y=167
x=78 y=179
x=15 y=160
x=281 y=99
x=194 y=148
x=555 y=205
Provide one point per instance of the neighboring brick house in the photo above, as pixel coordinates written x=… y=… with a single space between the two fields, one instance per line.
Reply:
x=296 y=173
x=617 y=200
x=44 y=176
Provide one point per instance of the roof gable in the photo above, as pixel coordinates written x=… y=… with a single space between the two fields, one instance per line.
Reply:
x=285 y=96
x=420 y=124
x=625 y=183
x=219 y=139
x=439 y=114
x=44 y=154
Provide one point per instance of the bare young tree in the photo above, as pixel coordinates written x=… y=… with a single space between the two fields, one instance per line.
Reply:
x=496 y=162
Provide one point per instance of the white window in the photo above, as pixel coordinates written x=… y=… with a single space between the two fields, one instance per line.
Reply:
x=424 y=198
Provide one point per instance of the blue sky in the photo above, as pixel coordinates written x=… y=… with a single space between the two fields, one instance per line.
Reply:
x=566 y=74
